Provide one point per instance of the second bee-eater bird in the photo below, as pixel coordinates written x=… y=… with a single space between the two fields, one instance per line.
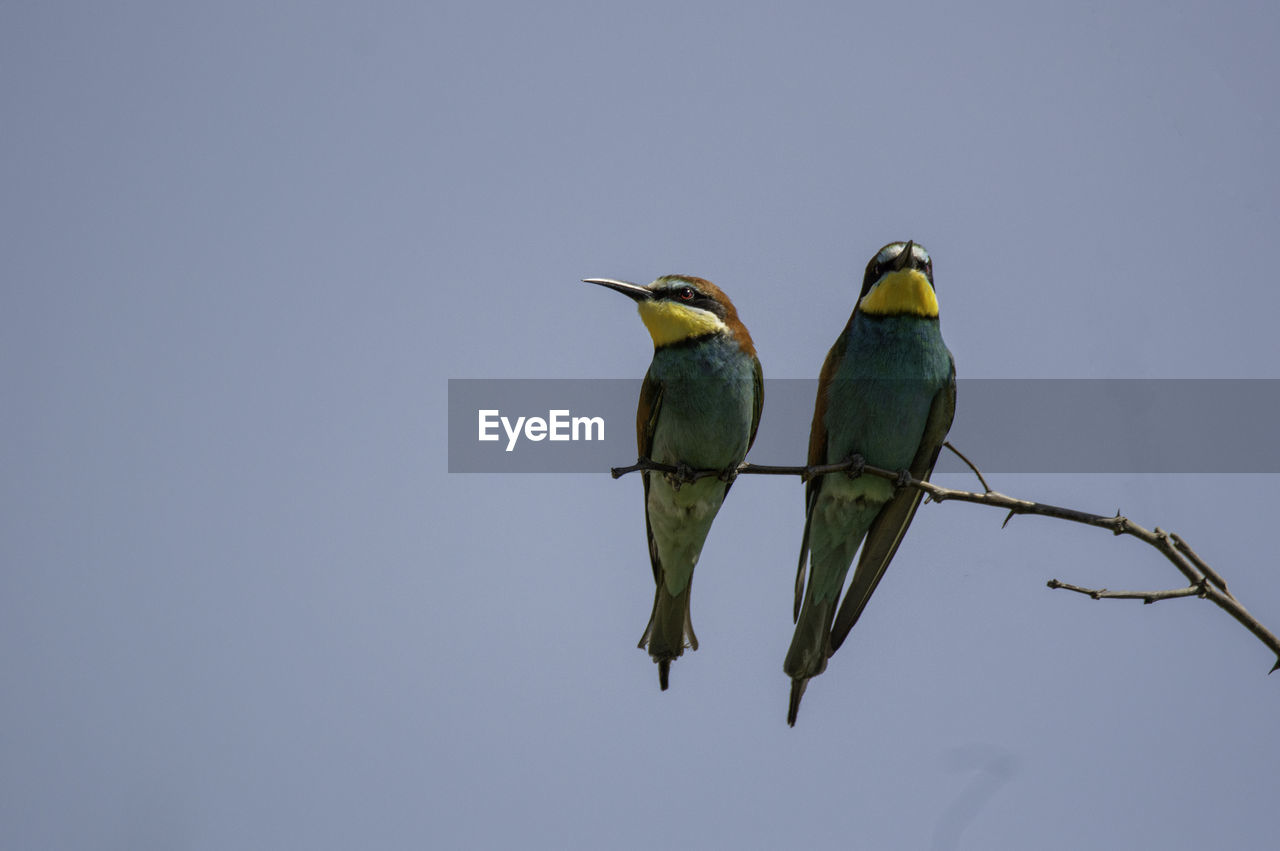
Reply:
x=699 y=408
x=887 y=393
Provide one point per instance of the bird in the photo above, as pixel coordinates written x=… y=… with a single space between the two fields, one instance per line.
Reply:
x=886 y=397
x=699 y=409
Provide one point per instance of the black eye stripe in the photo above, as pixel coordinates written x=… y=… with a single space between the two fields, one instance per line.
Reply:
x=914 y=263
x=684 y=294
x=695 y=298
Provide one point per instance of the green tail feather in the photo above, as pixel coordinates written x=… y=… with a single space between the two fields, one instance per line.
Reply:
x=670 y=630
x=797 y=692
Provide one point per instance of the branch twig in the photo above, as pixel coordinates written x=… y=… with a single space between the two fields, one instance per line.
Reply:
x=1144 y=596
x=986 y=487
x=1203 y=581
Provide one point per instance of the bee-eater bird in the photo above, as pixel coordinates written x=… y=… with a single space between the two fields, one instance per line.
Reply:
x=887 y=393
x=699 y=408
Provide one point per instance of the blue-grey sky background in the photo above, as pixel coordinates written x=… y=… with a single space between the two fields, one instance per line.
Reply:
x=244 y=605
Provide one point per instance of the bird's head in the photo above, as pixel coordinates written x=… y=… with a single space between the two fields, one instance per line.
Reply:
x=899 y=282
x=681 y=308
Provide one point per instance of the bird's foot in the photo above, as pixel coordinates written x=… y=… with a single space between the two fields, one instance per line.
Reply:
x=904 y=479
x=856 y=465
x=683 y=475
x=728 y=474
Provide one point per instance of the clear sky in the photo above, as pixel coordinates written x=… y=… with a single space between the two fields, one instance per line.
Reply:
x=244 y=605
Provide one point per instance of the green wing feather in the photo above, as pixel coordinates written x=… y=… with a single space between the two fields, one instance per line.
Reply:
x=646 y=423
x=817 y=455
x=891 y=523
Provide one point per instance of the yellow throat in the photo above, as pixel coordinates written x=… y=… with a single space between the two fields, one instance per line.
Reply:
x=669 y=322
x=904 y=292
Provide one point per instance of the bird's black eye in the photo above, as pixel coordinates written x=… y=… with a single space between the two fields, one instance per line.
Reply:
x=686 y=293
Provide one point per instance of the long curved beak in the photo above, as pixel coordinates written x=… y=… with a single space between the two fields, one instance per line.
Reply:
x=904 y=260
x=632 y=291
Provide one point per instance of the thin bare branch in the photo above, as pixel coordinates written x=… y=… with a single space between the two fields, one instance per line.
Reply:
x=1203 y=581
x=972 y=466
x=1199 y=562
x=1144 y=596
